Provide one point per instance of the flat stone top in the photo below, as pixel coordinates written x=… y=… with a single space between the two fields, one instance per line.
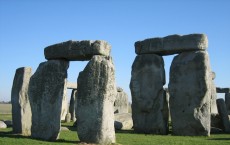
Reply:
x=77 y=50
x=222 y=90
x=172 y=44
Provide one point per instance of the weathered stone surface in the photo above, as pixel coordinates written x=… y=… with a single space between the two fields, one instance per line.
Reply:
x=121 y=103
x=95 y=98
x=72 y=104
x=216 y=121
x=172 y=44
x=71 y=85
x=21 y=111
x=123 y=121
x=67 y=118
x=2 y=124
x=64 y=106
x=77 y=50
x=190 y=94
x=148 y=99
x=223 y=114
x=46 y=90
x=213 y=95
x=227 y=102
x=222 y=90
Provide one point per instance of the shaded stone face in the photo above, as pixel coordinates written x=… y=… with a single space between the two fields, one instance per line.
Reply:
x=95 y=99
x=148 y=99
x=190 y=94
x=227 y=102
x=21 y=111
x=121 y=103
x=46 y=89
x=72 y=104
x=222 y=90
x=77 y=50
x=123 y=121
x=222 y=110
x=172 y=44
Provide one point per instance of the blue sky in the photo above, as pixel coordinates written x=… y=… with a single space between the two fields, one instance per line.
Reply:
x=27 y=27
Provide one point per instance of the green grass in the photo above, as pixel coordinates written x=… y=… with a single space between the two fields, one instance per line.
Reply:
x=5 y=116
x=122 y=137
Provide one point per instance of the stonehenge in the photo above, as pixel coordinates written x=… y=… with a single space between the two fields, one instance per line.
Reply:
x=21 y=111
x=223 y=115
x=121 y=103
x=190 y=81
x=72 y=104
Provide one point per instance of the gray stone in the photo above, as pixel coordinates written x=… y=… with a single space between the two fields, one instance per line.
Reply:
x=190 y=94
x=95 y=98
x=67 y=118
x=119 y=89
x=223 y=114
x=72 y=104
x=64 y=129
x=123 y=121
x=46 y=90
x=9 y=123
x=213 y=95
x=148 y=98
x=77 y=50
x=215 y=130
x=216 y=121
x=64 y=106
x=2 y=124
x=71 y=85
x=172 y=44
x=227 y=102
x=21 y=111
x=222 y=90
x=121 y=103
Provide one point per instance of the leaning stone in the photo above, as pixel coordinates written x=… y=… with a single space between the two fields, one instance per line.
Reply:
x=46 y=90
x=72 y=104
x=121 y=103
x=2 y=124
x=172 y=44
x=222 y=90
x=227 y=102
x=21 y=111
x=71 y=85
x=77 y=50
x=223 y=114
x=95 y=99
x=123 y=121
x=190 y=94
x=148 y=99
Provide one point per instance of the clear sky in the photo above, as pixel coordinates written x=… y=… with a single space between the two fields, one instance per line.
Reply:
x=27 y=27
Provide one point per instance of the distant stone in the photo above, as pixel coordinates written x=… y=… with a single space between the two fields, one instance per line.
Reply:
x=72 y=104
x=77 y=50
x=216 y=121
x=148 y=98
x=21 y=111
x=172 y=44
x=215 y=130
x=71 y=85
x=46 y=90
x=95 y=99
x=67 y=118
x=2 y=125
x=64 y=129
x=123 y=121
x=222 y=90
x=190 y=93
x=64 y=106
x=223 y=114
x=119 y=89
x=227 y=102
x=9 y=123
x=121 y=103
x=213 y=95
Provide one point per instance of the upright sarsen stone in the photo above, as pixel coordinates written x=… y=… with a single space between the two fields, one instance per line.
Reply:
x=190 y=94
x=121 y=103
x=21 y=111
x=72 y=104
x=95 y=99
x=46 y=90
x=223 y=114
x=148 y=97
x=227 y=102
x=213 y=95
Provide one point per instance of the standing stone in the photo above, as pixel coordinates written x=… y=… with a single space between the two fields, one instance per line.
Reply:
x=72 y=104
x=95 y=99
x=2 y=124
x=121 y=103
x=67 y=118
x=21 y=111
x=227 y=102
x=190 y=94
x=148 y=98
x=64 y=106
x=213 y=95
x=46 y=90
x=223 y=114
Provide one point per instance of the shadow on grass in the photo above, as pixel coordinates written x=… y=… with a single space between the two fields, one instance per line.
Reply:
x=10 y=134
x=219 y=139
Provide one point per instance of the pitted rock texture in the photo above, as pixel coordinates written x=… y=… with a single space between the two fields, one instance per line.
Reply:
x=46 y=90
x=172 y=44
x=121 y=103
x=77 y=50
x=95 y=98
x=148 y=98
x=190 y=94
x=21 y=111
